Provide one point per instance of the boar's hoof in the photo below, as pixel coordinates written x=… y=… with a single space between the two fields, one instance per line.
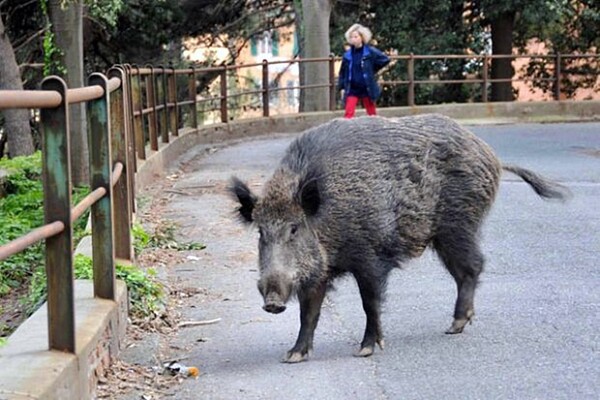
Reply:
x=459 y=325
x=293 y=357
x=368 y=350
x=365 y=351
x=274 y=308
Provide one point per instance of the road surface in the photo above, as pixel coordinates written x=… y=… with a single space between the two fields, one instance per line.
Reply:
x=536 y=331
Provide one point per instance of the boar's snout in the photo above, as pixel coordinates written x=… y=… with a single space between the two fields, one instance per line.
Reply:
x=274 y=308
x=275 y=297
x=273 y=303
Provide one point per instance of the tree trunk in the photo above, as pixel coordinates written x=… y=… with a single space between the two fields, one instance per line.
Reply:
x=454 y=93
x=67 y=25
x=315 y=15
x=502 y=32
x=16 y=122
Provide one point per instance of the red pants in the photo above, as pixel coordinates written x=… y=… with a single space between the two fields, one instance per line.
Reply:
x=351 y=102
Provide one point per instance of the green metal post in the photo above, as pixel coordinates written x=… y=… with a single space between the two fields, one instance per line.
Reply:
x=151 y=100
x=131 y=156
x=411 y=80
x=98 y=112
x=194 y=98
x=265 y=88
x=223 y=78
x=332 y=83
x=165 y=122
x=57 y=207
x=557 y=76
x=174 y=111
x=138 y=120
x=121 y=191
x=484 y=91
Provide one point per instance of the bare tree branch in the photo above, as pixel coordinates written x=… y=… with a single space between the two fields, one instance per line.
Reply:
x=251 y=13
x=31 y=65
x=25 y=42
x=26 y=4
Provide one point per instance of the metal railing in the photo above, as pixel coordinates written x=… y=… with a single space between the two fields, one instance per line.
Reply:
x=157 y=108
x=484 y=80
x=110 y=200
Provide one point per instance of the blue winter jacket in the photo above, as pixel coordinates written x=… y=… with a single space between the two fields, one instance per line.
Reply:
x=372 y=61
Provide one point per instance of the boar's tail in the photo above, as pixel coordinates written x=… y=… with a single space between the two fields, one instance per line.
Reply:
x=545 y=188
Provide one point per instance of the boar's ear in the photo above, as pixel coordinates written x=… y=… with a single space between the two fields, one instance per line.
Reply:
x=310 y=198
x=247 y=200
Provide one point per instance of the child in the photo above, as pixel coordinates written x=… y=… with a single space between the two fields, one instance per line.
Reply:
x=357 y=73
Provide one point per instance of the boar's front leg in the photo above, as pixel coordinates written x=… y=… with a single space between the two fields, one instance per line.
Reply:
x=310 y=309
x=371 y=292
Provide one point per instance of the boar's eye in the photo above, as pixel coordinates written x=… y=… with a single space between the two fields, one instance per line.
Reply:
x=294 y=229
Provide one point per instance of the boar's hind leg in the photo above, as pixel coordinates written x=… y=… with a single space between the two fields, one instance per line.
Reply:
x=461 y=255
x=310 y=310
x=371 y=291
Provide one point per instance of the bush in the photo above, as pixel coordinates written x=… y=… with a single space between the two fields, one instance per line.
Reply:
x=22 y=210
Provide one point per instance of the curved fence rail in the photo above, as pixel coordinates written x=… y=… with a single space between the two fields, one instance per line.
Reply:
x=130 y=111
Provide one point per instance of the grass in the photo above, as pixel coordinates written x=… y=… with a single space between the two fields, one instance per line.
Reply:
x=146 y=294
x=21 y=210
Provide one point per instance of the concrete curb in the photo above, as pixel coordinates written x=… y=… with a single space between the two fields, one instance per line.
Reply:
x=29 y=371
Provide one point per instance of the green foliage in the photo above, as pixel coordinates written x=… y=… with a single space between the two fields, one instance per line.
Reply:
x=107 y=11
x=21 y=211
x=418 y=27
x=141 y=238
x=457 y=27
x=37 y=290
x=146 y=295
x=163 y=238
x=23 y=173
x=52 y=54
x=143 y=32
x=565 y=27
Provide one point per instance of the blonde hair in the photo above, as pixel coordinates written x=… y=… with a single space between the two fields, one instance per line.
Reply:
x=363 y=31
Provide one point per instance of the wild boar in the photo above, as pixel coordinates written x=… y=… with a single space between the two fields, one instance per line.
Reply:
x=361 y=197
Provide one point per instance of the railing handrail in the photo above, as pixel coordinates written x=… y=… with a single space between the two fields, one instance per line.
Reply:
x=29 y=99
x=50 y=98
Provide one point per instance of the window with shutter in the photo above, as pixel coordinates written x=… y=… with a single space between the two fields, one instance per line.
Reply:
x=253 y=46
x=275 y=43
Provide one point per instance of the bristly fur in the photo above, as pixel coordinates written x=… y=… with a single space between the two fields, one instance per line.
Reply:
x=360 y=197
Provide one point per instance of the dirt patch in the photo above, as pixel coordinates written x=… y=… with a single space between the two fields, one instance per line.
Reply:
x=12 y=309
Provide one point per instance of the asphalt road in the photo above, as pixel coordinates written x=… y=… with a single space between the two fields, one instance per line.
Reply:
x=536 y=330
